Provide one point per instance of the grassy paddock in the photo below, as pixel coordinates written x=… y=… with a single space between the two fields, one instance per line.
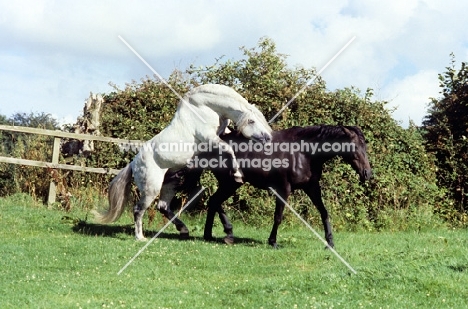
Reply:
x=52 y=259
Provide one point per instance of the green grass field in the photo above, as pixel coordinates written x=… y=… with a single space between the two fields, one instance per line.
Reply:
x=52 y=259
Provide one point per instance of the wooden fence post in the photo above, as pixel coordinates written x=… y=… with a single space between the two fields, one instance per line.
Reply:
x=55 y=160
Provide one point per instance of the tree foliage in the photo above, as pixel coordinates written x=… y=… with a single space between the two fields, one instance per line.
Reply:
x=446 y=131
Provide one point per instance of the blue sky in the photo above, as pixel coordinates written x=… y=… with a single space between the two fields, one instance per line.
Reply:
x=53 y=53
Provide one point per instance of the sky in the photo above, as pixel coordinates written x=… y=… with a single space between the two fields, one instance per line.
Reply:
x=54 y=53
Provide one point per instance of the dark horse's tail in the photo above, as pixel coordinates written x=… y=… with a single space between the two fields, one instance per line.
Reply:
x=119 y=191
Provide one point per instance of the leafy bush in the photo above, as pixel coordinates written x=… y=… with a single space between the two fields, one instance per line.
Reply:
x=19 y=178
x=446 y=131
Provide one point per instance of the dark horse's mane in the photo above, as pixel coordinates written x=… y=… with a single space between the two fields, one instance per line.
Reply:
x=323 y=132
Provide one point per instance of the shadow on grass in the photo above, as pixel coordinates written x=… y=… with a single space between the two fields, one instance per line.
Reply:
x=116 y=231
x=92 y=229
x=459 y=268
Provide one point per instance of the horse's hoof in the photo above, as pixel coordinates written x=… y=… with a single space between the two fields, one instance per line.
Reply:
x=183 y=230
x=184 y=236
x=141 y=239
x=273 y=244
x=238 y=179
x=229 y=240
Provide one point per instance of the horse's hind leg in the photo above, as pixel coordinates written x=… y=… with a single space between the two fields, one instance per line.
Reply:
x=138 y=212
x=149 y=178
x=225 y=190
x=168 y=192
x=229 y=238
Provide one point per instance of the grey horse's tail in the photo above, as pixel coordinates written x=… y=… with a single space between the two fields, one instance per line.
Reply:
x=119 y=191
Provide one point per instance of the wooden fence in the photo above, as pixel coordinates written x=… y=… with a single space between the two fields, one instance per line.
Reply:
x=58 y=135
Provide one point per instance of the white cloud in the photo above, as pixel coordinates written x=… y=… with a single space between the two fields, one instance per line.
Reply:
x=411 y=96
x=90 y=27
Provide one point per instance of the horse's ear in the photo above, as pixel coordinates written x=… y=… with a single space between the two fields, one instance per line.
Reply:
x=349 y=131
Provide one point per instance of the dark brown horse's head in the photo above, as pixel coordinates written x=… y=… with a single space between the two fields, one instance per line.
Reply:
x=356 y=154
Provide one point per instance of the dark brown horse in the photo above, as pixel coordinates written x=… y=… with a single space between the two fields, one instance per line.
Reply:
x=294 y=160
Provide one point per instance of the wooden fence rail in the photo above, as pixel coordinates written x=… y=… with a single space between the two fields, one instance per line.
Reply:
x=58 y=135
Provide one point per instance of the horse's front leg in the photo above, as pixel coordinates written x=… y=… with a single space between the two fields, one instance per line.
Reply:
x=223 y=146
x=315 y=194
x=278 y=217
